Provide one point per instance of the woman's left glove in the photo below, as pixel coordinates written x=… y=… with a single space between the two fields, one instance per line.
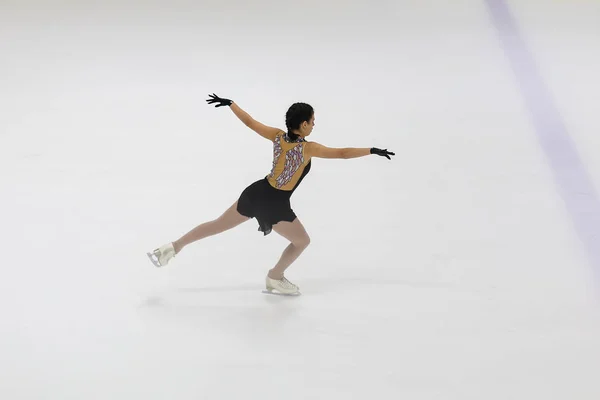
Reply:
x=216 y=99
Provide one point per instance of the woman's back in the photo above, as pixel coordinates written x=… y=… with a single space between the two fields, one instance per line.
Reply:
x=290 y=163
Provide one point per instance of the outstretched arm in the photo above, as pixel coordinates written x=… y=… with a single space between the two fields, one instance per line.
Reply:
x=263 y=130
x=241 y=114
x=315 y=149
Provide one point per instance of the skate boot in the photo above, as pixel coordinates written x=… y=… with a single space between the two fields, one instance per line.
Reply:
x=162 y=255
x=282 y=286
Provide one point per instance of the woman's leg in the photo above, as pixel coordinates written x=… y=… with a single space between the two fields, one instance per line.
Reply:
x=229 y=219
x=299 y=240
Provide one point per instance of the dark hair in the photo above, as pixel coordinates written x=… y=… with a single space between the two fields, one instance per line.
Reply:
x=296 y=115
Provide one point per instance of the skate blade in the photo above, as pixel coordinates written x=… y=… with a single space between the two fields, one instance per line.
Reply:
x=281 y=294
x=153 y=259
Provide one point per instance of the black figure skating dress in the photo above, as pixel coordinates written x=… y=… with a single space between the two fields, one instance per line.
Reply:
x=268 y=199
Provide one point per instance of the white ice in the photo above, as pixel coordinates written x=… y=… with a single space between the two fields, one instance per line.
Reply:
x=451 y=272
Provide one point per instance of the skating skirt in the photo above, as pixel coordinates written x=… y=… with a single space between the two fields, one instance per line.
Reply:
x=268 y=205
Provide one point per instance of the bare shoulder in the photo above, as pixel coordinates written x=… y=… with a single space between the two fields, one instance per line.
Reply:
x=268 y=132
x=308 y=146
x=314 y=149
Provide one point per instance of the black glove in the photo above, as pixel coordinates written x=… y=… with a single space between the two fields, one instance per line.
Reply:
x=383 y=153
x=216 y=99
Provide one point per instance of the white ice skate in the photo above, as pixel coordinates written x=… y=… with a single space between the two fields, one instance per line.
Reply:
x=162 y=255
x=281 y=287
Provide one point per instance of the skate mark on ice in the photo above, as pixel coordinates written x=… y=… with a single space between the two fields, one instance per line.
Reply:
x=571 y=178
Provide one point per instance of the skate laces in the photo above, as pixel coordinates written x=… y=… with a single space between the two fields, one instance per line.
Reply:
x=164 y=254
x=288 y=283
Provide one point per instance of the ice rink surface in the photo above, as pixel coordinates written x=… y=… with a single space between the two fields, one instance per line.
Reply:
x=455 y=271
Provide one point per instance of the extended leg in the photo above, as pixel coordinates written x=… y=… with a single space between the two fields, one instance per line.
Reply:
x=229 y=219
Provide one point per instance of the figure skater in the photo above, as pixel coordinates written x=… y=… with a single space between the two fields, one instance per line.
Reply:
x=268 y=199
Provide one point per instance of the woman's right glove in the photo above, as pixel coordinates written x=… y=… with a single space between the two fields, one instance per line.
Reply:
x=383 y=153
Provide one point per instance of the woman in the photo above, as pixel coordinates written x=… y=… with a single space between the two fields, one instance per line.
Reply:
x=268 y=199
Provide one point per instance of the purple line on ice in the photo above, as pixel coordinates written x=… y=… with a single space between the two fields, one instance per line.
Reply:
x=570 y=175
